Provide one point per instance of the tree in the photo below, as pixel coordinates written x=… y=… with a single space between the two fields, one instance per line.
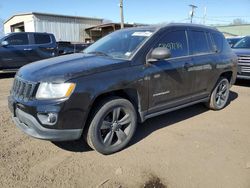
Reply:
x=239 y=21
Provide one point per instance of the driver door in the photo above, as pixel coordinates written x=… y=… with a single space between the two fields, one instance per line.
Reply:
x=170 y=82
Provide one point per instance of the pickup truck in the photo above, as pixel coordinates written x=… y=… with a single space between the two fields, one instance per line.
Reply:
x=19 y=49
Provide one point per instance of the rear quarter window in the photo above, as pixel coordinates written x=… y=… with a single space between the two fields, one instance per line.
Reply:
x=220 y=42
x=42 y=39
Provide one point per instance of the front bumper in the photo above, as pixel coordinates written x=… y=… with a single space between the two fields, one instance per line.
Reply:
x=29 y=125
x=244 y=77
x=244 y=67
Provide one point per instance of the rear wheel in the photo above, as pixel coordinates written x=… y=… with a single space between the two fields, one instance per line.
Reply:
x=112 y=126
x=220 y=95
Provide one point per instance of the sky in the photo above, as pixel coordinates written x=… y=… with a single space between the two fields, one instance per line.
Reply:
x=135 y=11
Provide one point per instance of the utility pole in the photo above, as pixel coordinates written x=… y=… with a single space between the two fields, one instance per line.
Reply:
x=205 y=15
x=121 y=14
x=193 y=7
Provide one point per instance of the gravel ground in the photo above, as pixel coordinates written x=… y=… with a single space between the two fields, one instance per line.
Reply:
x=192 y=147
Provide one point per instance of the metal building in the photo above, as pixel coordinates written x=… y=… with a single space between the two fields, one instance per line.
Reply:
x=99 y=31
x=65 y=28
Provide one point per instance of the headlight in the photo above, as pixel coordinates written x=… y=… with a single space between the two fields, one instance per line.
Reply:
x=54 y=91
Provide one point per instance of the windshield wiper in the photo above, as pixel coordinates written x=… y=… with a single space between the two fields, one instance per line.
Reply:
x=99 y=53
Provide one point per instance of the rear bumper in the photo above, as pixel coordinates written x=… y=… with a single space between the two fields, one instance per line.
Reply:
x=29 y=125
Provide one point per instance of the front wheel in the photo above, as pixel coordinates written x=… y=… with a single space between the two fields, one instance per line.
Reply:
x=112 y=126
x=220 y=95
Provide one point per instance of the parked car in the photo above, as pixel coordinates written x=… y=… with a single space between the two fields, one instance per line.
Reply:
x=242 y=50
x=233 y=40
x=19 y=49
x=65 y=47
x=124 y=78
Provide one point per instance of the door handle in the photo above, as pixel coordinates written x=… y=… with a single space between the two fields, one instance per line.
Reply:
x=188 y=65
x=49 y=48
x=27 y=49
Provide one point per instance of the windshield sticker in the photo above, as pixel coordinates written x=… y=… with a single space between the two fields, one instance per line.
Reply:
x=142 y=34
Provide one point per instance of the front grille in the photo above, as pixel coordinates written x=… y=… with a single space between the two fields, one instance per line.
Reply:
x=244 y=63
x=23 y=89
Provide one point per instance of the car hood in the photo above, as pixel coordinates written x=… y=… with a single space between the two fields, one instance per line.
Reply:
x=241 y=51
x=63 y=68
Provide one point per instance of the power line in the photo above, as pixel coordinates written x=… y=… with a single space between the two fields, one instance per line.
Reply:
x=229 y=16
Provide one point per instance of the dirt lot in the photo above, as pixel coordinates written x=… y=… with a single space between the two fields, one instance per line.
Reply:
x=192 y=147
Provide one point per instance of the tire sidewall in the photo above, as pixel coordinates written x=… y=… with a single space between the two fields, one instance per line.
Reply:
x=213 y=96
x=96 y=123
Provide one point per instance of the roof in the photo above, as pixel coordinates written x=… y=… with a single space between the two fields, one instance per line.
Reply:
x=114 y=24
x=55 y=15
x=160 y=26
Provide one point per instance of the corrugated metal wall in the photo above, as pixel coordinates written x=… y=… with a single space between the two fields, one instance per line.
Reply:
x=65 y=28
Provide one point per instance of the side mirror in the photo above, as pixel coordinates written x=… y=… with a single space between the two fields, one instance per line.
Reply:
x=160 y=53
x=4 y=43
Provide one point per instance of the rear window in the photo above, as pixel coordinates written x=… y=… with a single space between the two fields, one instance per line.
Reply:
x=199 y=43
x=42 y=38
x=18 y=39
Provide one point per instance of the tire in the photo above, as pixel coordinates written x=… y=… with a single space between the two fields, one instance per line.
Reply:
x=220 y=95
x=112 y=126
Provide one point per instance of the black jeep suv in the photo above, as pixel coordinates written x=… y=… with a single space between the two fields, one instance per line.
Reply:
x=124 y=78
x=19 y=49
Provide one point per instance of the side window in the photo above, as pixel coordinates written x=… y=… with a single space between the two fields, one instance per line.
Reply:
x=218 y=41
x=18 y=39
x=199 y=43
x=41 y=38
x=176 y=42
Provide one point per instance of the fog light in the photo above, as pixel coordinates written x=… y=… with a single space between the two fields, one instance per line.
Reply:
x=48 y=119
x=52 y=118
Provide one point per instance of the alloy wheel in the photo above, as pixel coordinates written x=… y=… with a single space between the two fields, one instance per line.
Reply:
x=115 y=127
x=222 y=94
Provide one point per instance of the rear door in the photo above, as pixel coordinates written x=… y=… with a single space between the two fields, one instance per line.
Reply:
x=170 y=81
x=44 y=46
x=16 y=54
x=203 y=59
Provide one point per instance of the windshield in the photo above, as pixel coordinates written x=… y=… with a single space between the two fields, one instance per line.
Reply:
x=120 y=44
x=233 y=41
x=243 y=43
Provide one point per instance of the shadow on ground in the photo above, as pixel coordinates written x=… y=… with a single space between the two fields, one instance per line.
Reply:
x=74 y=146
x=171 y=118
x=245 y=83
x=148 y=127
x=7 y=75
